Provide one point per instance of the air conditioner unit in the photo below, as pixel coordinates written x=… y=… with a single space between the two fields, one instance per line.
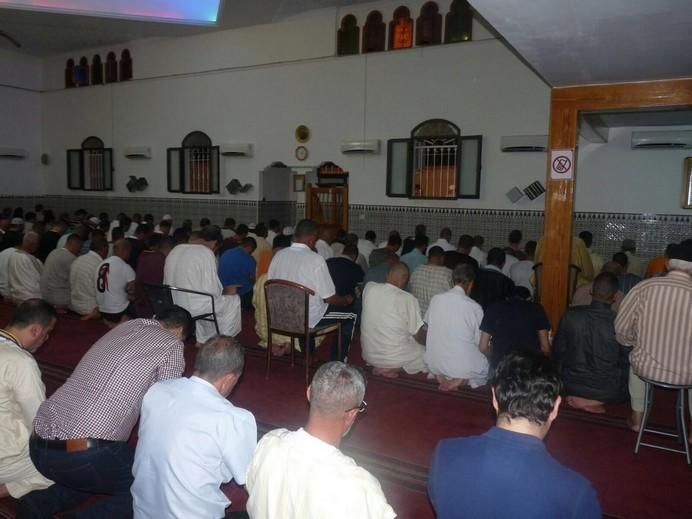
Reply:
x=662 y=140
x=12 y=153
x=137 y=152
x=515 y=143
x=366 y=146
x=237 y=149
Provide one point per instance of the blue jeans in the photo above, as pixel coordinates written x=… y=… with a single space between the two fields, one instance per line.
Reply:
x=105 y=471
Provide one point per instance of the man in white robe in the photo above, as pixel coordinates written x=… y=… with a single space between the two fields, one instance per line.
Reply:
x=452 y=344
x=4 y=271
x=392 y=328
x=82 y=274
x=193 y=266
x=24 y=270
x=55 y=279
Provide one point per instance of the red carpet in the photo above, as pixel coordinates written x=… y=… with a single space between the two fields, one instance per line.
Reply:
x=406 y=417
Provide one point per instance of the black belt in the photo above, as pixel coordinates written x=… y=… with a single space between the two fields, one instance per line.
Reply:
x=72 y=445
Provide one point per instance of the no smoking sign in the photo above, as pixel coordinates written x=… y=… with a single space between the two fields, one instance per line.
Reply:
x=561 y=165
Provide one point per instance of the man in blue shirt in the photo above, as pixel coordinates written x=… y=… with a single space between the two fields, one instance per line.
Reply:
x=507 y=472
x=238 y=267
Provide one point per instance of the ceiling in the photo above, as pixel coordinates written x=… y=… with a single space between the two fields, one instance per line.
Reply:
x=575 y=42
x=619 y=119
x=45 y=34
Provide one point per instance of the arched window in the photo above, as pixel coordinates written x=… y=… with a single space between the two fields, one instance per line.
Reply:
x=348 y=36
x=429 y=25
x=96 y=70
x=90 y=167
x=81 y=72
x=125 y=65
x=111 y=68
x=374 y=33
x=401 y=29
x=194 y=167
x=434 y=162
x=459 y=22
x=69 y=73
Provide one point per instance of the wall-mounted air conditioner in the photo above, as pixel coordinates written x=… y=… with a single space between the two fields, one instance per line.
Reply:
x=237 y=149
x=365 y=146
x=12 y=153
x=516 y=143
x=662 y=139
x=137 y=152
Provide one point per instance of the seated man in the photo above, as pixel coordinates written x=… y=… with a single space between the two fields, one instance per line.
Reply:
x=444 y=241
x=237 y=267
x=654 y=319
x=461 y=254
x=522 y=271
x=115 y=286
x=302 y=474
x=21 y=393
x=491 y=284
x=626 y=279
x=193 y=266
x=507 y=472
x=517 y=324
x=55 y=279
x=579 y=257
x=299 y=264
x=416 y=257
x=81 y=432
x=582 y=295
x=24 y=270
x=430 y=279
x=150 y=271
x=392 y=329
x=367 y=245
x=452 y=341
x=346 y=275
x=192 y=438
x=379 y=273
x=378 y=256
x=83 y=272
x=4 y=274
x=594 y=366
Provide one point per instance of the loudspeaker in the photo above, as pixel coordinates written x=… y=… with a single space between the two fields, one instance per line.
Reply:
x=534 y=190
x=515 y=194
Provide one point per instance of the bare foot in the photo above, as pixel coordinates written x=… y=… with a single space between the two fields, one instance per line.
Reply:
x=279 y=350
x=386 y=372
x=586 y=404
x=449 y=384
x=634 y=421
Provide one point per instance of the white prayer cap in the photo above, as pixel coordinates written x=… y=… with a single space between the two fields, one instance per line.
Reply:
x=94 y=221
x=288 y=231
x=16 y=221
x=167 y=218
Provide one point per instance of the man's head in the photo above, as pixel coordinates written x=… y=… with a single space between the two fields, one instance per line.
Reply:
x=478 y=241
x=420 y=242
x=394 y=241
x=306 y=232
x=463 y=276
x=99 y=245
x=604 y=288
x=165 y=245
x=612 y=267
x=621 y=259
x=229 y=223
x=261 y=230
x=587 y=238
x=465 y=244
x=210 y=236
x=526 y=392
x=351 y=239
x=275 y=226
x=165 y=227
x=203 y=222
x=496 y=257
x=530 y=249
x=220 y=362
x=398 y=275
x=446 y=234
x=117 y=233
x=680 y=257
x=350 y=251
x=30 y=242
x=180 y=235
x=336 y=394
x=248 y=245
x=32 y=322
x=178 y=320
x=74 y=243
x=436 y=256
x=420 y=230
x=629 y=245
x=122 y=249
x=515 y=238
x=370 y=236
x=281 y=241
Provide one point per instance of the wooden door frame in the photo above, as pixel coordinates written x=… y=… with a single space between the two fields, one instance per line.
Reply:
x=565 y=105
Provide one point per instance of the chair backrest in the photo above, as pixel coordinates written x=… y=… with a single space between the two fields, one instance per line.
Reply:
x=159 y=297
x=537 y=273
x=573 y=278
x=287 y=306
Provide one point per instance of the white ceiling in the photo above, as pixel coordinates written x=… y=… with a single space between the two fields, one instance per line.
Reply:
x=45 y=34
x=573 y=42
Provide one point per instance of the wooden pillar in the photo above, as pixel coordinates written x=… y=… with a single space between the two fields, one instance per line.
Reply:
x=559 y=209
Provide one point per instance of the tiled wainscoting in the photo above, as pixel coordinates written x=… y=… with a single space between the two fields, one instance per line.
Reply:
x=651 y=232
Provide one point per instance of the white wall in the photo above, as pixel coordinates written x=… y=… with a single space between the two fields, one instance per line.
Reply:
x=21 y=78
x=612 y=177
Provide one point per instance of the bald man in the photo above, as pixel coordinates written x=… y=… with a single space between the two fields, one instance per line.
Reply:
x=392 y=326
x=115 y=285
x=24 y=270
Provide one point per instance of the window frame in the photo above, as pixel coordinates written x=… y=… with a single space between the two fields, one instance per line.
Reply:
x=108 y=170
x=215 y=156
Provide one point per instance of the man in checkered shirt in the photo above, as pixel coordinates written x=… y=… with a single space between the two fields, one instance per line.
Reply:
x=81 y=432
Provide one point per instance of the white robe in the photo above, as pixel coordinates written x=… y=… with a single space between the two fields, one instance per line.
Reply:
x=194 y=267
x=24 y=276
x=4 y=271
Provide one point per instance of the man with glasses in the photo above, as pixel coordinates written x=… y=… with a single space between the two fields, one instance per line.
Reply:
x=299 y=474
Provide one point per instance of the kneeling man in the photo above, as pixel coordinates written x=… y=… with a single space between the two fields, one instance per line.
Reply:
x=507 y=472
x=192 y=439
x=392 y=328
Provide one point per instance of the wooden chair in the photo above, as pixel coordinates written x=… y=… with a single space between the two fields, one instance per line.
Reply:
x=161 y=297
x=288 y=314
x=572 y=285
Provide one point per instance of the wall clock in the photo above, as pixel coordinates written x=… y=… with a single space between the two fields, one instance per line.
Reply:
x=301 y=153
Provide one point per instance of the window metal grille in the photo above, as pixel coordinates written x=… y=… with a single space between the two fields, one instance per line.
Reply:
x=435 y=167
